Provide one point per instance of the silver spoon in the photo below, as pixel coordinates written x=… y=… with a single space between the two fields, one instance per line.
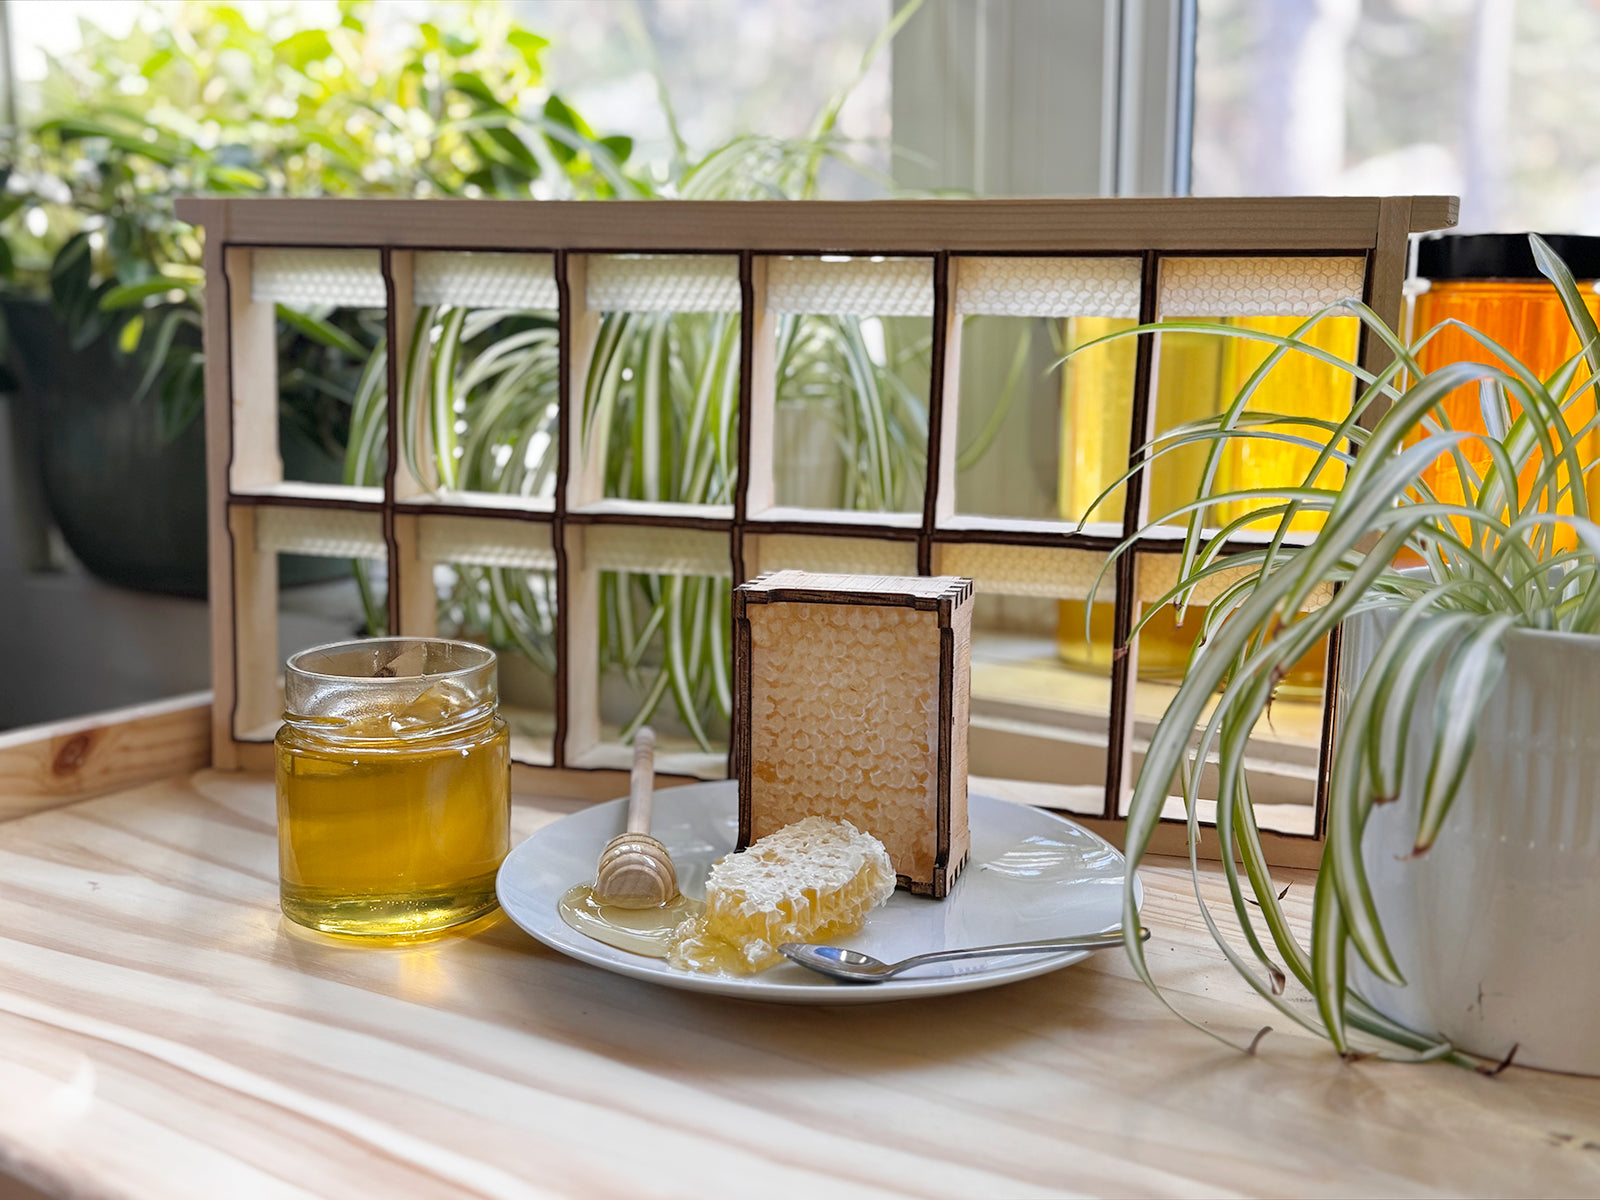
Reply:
x=852 y=966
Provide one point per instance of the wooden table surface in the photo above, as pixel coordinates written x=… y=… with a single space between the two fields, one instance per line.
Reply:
x=165 y=1034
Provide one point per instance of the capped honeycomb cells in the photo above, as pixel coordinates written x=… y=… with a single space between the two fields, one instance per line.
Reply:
x=813 y=881
x=845 y=722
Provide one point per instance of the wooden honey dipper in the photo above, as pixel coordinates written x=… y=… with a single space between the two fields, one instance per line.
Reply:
x=635 y=870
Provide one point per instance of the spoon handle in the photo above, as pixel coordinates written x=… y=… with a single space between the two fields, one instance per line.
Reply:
x=1093 y=941
x=642 y=781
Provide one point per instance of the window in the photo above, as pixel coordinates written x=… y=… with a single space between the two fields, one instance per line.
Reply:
x=1491 y=101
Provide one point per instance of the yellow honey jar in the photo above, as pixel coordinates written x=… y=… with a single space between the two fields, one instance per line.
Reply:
x=1198 y=376
x=394 y=786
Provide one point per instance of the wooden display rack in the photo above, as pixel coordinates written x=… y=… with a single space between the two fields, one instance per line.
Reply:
x=966 y=246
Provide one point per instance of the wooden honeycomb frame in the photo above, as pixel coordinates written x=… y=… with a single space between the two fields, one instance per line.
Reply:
x=246 y=488
x=926 y=624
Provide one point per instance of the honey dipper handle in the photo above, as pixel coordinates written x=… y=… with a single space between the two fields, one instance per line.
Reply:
x=642 y=780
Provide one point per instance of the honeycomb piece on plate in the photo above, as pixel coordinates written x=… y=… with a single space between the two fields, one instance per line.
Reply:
x=813 y=881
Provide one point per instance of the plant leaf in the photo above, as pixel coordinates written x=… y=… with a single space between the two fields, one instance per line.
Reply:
x=1469 y=678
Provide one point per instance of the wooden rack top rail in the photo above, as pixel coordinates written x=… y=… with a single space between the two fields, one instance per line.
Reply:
x=776 y=226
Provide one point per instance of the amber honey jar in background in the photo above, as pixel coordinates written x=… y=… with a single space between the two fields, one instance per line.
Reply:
x=1198 y=375
x=394 y=786
x=1491 y=282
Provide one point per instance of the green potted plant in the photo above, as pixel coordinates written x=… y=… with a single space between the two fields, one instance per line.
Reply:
x=1462 y=859
x=101 y=281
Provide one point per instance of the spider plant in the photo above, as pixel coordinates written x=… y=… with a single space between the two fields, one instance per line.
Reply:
x=1517 y=550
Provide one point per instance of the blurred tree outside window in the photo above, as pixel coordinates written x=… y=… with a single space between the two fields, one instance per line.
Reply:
x=729 y=66
x=1496 y=101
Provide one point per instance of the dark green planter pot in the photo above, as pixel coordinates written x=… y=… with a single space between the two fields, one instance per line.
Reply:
x=130 y=504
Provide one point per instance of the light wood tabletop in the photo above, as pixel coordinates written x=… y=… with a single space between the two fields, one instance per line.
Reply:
x=165 y=1034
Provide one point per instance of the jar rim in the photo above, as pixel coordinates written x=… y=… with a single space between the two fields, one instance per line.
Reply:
x=485 y=657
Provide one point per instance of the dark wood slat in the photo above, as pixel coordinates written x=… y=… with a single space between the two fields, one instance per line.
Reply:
x=937 y=432
x=391 y=325
x=1141 y=416
x=558 y=534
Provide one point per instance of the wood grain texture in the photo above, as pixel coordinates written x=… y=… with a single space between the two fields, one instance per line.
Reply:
x=254 y=652
x=253 y=380
x=47 y=765
x=872 y=227
x=219 y=450
x=1386 y=279
x=164 y=1034
x=412 y=585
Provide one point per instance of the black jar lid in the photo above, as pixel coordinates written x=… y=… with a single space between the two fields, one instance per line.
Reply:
x=1502 y=256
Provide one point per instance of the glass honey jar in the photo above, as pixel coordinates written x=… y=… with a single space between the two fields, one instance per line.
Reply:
x=394 y=786
x=1198 y=375
x=1490 y=282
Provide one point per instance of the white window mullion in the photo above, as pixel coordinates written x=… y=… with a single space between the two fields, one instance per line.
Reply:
x=1045 y=98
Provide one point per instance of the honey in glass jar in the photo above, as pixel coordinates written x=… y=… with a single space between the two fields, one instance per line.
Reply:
x=1097 y=389
x=1491 y=282
x=394 y=786
x=1198 y=376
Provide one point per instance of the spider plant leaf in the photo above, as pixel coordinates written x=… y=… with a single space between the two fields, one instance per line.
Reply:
x=1350 y=796
x=1001 y=408
x=648 y=440
x=1233 y=736
x=1247 y=839
x=1469 y=677
x=625 y=643
x=1328 y=941
x=1403 y=663
x=368 y=421
x=722 y=687
x=1269 y=989
x=1586 y=615
x=647 y=708
x=322 y=331
x=374 y=616
x=1494 y=410
x=677 y=664
x=635 y=643
x=502 y=602
x=1583 y=322
x=441 y=397
x=411 y=384
x=697 y=599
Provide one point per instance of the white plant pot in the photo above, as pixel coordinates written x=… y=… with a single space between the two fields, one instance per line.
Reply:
x=1497 y=927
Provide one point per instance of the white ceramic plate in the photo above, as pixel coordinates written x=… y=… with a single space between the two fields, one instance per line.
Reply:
x=1032 y=875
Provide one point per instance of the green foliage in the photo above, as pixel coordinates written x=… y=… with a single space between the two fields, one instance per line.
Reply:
x=197 y=99
x=1492 y=562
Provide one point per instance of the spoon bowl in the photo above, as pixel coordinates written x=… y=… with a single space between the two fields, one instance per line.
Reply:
x=852 y=966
